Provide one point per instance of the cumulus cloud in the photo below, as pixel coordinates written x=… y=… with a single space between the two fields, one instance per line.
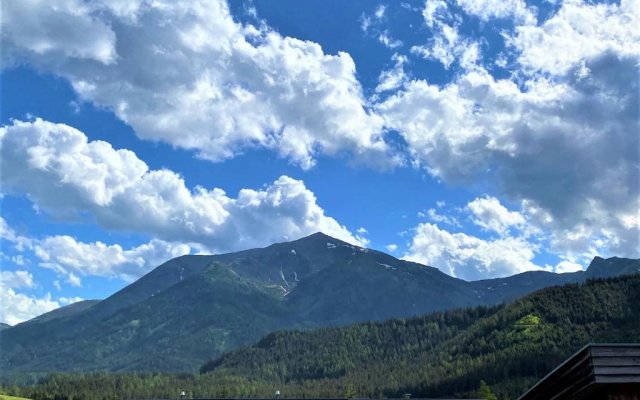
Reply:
x=469 y=257
x=569 y=147
x=19 y=307
x=15 y=306
x=68 y=176
x=72 y=259
x=578 y=32
x=66 y=255
x=66 y=29
x=202 y=81
x=16 y=279
x=520 y=239
x=559 y=137
x=491 y=215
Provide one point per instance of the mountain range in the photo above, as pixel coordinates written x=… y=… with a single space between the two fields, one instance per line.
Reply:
x=194 y=308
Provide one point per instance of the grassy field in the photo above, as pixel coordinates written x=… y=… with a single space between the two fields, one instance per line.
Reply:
x=7 y=397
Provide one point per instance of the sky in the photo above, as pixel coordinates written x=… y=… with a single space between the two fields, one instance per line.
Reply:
x=485 y=138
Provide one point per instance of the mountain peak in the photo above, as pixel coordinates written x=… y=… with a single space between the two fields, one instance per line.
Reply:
x=316 y=236
x=613 y=266
x=320 y=237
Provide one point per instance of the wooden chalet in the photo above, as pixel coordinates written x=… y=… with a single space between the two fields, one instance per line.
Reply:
x=597 y=371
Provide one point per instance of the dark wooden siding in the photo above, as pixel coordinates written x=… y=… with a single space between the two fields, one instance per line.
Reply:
x=597 y=371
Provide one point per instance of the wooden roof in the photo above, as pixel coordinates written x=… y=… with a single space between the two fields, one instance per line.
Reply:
x=594 y=370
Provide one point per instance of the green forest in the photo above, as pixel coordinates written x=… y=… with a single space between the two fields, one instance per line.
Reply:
x=482 y=351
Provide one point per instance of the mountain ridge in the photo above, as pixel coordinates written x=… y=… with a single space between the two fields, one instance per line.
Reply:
x=311 y=282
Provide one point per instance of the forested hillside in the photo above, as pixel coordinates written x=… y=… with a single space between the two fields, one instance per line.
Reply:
x=444 y=353
x=440 y=354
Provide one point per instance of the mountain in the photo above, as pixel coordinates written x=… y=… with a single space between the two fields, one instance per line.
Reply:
x=4 y=326
x=443 y=354
x=193 y=308
x=603 y=268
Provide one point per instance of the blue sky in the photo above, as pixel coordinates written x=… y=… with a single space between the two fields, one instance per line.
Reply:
x=484 y=138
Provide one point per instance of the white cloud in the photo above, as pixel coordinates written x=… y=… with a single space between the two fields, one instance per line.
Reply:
x=69 y=300
x=70 y=257
x=365 y=22
x=64 y=30
x=68 y=176
x=567 y=147
x=446 y=45
x=578 y=32
x=18 y=307
x=434 y=12
x=72 y=279
x=488 y=9
x=20 y=242
x=491 y=215
x=373 y=24
x=391 y=247
x=203 y=81
x=6 y=232
x=432 y=215
x=567 y=266
x=389 y=42
x=395 y=77
x=16 y=279
x=19 y=260
x=469 y=257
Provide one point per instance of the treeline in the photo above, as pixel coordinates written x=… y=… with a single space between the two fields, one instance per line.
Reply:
x=441 y=354
x=112 y=386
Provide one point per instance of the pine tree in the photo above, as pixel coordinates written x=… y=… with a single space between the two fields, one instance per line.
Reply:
x=485 y=392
